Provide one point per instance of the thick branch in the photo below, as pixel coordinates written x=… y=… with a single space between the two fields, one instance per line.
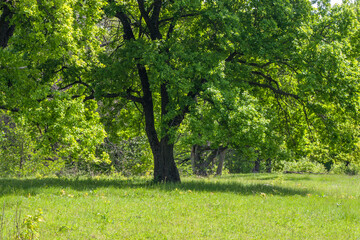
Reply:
x=276 y=91
x=171 y=28
x=76 y=83
x=231 y=57
x=143 y=12
x=125 y=21
x=124 y=95
x=153 y=21
x=181 y=16
x=255 y=64
x=235 y=54
x=270 y=79
x=177 y=120
x=156 y=12
x=148 y=105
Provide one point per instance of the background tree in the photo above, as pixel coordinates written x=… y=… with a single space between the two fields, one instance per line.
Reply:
x=45 y=49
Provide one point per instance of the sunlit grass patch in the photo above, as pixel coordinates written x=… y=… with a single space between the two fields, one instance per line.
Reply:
x=246 y=206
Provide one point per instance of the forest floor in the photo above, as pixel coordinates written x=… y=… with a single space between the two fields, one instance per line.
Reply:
x=245 y=206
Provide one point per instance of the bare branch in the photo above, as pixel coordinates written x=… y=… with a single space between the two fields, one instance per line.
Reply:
x=286 y=114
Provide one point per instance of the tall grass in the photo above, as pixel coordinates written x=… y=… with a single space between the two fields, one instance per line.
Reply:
x=248 y=206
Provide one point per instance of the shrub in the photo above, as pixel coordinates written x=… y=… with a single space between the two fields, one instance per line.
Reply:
x=345 y=168
x=238 y=162
x=304 y=165
x=128 y=157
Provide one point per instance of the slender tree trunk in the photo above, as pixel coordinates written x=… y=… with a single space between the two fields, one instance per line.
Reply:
x=194 y=157
x=268 y=165
x=21 y=159
x=221 y=162
x=256 y=168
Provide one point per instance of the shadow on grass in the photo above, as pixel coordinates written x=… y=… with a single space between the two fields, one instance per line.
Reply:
x=298 y=178
x=22 y=187
x=235 y=187
x=270 y=176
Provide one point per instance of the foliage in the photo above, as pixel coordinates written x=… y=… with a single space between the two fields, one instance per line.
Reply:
x=46 y=138
x=50 y=50
x=30 y=226
x=345 y=168
x=304 y=165
x=238 y=162
x=129 y=157
x=254 y=75
x=16 y=148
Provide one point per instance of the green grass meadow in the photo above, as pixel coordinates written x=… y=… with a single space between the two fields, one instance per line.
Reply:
x=247 y=206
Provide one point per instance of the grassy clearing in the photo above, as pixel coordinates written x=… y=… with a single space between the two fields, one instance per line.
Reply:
x=262 y=206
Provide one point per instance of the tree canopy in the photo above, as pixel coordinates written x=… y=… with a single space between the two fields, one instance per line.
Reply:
x=234 y=71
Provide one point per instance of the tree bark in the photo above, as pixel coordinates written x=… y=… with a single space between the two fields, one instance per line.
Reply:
x=165 y=169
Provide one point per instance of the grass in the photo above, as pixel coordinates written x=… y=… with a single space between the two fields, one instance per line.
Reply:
x=247 y=206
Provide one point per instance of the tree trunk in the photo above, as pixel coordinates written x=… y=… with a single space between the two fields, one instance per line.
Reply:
x=268 y=165
x=203 y=168
x=165 y=169
x=194 y=157
x=256 y=168
x=197 y=162
x=221 y=162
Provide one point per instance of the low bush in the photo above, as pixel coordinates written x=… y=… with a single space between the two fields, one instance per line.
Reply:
x=345 y=168
x=303 y=165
